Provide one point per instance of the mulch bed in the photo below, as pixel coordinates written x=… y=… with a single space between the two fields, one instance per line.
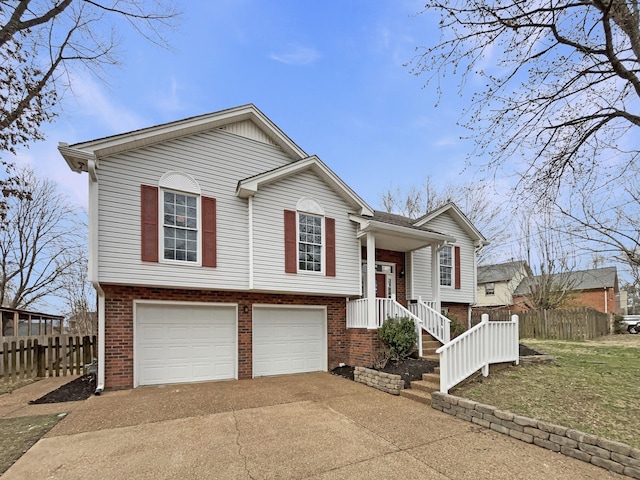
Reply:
x=79 y=389
x=411 y=369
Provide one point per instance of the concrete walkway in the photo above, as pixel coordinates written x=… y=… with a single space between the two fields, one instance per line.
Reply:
x=312 y=426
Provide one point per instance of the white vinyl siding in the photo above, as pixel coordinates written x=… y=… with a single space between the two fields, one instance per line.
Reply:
x=269 y=205
x=216 y=160
x=421 y=268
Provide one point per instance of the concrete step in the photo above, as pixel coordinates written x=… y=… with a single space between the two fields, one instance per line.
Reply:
x=431 y=377
x=417 y=395
x=434 y=357
x=425 y=386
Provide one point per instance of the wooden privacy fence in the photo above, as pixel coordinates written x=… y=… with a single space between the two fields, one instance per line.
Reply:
x=576 y=324
x=57 y=356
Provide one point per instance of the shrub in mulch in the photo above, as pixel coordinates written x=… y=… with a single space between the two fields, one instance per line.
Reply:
x=411 y=369
x=79 y=389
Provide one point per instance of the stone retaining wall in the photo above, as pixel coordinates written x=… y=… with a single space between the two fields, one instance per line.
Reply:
x=387 y=382
x=614 y=456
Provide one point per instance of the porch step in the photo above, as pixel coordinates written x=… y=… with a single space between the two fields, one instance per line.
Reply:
x=431 y=344
x=417 y=395
x=434 y=357
x=421 y=390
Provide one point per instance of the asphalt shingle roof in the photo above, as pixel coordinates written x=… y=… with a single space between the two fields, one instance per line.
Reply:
x=578 y=280
x=500 y=272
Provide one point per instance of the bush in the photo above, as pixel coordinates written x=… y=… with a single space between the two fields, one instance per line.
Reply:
x=618 y=325
x=456 y=326
x=399 y=335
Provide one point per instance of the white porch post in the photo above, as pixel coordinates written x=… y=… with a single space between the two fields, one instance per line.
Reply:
x=371 y=280
x=435 y=275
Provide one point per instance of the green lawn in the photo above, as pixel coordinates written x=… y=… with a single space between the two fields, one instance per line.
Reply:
x=593 y=386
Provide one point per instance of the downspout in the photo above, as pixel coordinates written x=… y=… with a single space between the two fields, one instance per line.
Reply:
x=250 y=242
x=606 y=301
x=93 y=268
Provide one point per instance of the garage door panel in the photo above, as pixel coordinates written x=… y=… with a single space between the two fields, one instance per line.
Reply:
x=185 y=343
x=288 y=340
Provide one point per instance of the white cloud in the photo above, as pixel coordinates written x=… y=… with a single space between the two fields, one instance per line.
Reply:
x=297 y=55
x=95 y=102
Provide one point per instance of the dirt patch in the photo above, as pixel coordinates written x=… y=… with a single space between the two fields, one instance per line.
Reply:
x=525 y=351
x=79 y=389
x=20 y=433
x=410 y=369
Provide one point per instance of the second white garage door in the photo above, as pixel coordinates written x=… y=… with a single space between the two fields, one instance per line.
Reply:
x=181 y=343
x=289 y=340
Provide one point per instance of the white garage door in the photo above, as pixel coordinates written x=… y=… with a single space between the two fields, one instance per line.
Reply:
x=289 y=340
x=184 y=343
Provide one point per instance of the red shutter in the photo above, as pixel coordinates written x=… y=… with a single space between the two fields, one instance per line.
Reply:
x=456 y=256
x=149 y=220
x=330 y=248
x=290 y=242
x=209 y=249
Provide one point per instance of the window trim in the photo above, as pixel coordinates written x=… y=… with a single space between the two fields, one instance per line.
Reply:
x=323 y=245
x=161 y=226
x=452 y=267
x=493 y=288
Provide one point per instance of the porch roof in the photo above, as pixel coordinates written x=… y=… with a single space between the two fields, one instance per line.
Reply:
x=395 y=236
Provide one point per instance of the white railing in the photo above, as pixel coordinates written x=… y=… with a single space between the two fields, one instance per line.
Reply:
x=357 y=314
x=486 y=343
x=385 y=308
x=433 y=321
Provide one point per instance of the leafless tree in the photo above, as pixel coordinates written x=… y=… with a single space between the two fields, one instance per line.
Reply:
x=560 y=83
x=606 y=221
x=42 y=41
x=477 y=200
x=78 y=293
x=39 y=244
x=551 y=256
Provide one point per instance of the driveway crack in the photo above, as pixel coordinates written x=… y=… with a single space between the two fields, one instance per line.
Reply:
x=240 y=449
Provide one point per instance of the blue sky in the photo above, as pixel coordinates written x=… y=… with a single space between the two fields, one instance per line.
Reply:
x=331 y=74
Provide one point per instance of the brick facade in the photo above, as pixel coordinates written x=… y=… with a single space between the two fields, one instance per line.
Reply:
x=458 y=310
x=353 y=346
x=594 y=298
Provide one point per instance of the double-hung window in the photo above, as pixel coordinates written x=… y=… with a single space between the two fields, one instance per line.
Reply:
x=446 y=266
x=309 y=242
x=180 y=226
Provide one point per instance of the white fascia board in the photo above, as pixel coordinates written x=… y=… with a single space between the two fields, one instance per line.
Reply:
x=250 y=186
x=189 y=126
x=381 y=227
x=78 y=160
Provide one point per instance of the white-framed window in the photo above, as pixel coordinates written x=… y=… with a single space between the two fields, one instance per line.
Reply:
x=180 y=220
x=310 y=242
x=446 y=266
x=489 y=288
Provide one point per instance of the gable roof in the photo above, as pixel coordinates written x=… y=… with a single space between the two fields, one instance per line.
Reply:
x=77 y=155
x=501 y=272
x=458 y=216
x=249 y=186
x=597 y=278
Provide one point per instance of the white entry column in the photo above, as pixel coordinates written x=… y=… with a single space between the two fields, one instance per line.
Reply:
x=371 y=280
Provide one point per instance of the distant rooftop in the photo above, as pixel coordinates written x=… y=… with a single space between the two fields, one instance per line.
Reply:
x=500 y=272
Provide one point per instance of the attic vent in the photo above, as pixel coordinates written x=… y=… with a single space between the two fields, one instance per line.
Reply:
x=248 y=129
x=179 y=181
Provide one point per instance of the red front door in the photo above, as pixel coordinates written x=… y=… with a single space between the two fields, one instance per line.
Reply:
x=381 y=285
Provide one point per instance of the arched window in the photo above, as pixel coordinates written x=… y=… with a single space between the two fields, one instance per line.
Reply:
x=178 y=222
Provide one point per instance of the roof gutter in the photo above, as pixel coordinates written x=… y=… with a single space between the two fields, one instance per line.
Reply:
x=93 y=267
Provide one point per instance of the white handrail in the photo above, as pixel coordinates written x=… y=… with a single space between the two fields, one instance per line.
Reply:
x=486 y=343
x=385 y=308
x=436 y=324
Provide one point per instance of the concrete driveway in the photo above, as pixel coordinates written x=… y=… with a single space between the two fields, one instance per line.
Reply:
x=312 y=426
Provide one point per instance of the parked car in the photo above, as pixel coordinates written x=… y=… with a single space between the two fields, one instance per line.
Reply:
x=632 y=323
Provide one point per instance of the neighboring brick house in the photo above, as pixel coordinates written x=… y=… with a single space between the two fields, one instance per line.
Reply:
x=220 y=250
x=498 y=282
x=596 y=288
